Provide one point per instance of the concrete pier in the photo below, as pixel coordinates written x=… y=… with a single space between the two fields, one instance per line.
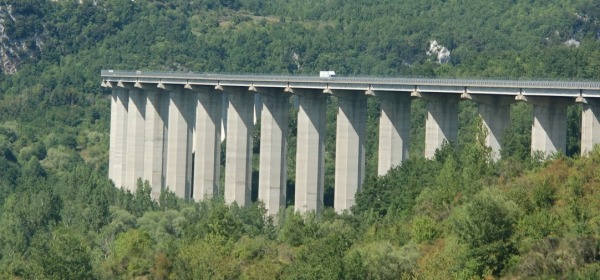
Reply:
x=134 y=159
x=350 y=147
x=179 y=146
x=442 y=120
x=207 y=141
x=272 y=181
x=238 y=157
x=166 y=128
x=590 y=124
x=549 y=128
x=394 y=130
x=310 y=150
x=494 y=111
x=118 y=134
x=157 y=110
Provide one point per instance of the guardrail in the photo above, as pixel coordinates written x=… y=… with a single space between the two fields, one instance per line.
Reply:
x=116 y=74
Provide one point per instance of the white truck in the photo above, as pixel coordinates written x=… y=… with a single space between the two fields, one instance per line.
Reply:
x=326 y=74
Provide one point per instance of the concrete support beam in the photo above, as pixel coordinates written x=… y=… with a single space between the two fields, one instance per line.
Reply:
x=350 y=148
x=494 y=111
x=549 y=129
x=179 y=145
x=157 y=110
x=442 y=120
x=310 y=150
x=118 y=132
x=207 y=142
x=272 y=181
x=394 y=130
x=238 y=157
x=590 y=124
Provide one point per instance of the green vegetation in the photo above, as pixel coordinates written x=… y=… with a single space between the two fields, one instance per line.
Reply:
x=456 y=216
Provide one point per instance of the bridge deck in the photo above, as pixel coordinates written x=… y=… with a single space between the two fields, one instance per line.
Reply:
x=472 y=86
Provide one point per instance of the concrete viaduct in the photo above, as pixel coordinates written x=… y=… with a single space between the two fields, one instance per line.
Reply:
x=166 y=128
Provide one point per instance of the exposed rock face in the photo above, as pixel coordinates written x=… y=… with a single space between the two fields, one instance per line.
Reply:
x=442 y=53
x=14 y=50
x=296 y=60
x=572 y=43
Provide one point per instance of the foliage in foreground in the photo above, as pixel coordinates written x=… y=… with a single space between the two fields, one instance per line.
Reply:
x=427 y=219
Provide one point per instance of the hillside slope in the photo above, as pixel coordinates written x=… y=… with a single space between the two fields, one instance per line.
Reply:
x=60 y=216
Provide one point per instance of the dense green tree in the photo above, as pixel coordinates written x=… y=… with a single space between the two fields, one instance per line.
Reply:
x=486 y=226
x=60 y=217
x=65 y=254
x=131 y=256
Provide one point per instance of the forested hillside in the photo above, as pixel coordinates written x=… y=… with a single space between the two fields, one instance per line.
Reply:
x=456 y=216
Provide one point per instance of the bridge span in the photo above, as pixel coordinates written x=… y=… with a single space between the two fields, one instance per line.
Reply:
x=166 y=128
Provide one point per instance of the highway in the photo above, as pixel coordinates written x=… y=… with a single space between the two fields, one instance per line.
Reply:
x=544 y=88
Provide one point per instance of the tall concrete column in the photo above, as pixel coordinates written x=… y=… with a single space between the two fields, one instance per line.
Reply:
x=272 y=181
x=207 y=156
x=549 y=129
x=118 y=134
x=238 y=156
x=442 y=120
x=179 y=145
x=157 y=110
x=134 y=161
x=394 y=130
x=494 y=111
x=350 y=148
x=590 y=124
x=310 y=150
